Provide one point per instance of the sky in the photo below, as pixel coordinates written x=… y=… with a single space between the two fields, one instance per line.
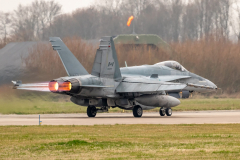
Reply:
x=67 y=5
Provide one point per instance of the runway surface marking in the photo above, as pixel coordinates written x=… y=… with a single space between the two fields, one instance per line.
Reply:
x=190 y=117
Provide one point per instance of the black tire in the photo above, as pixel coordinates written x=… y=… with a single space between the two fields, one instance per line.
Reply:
x=137 y=111
x=162 y=112
x=91 y=111
x=169 y=112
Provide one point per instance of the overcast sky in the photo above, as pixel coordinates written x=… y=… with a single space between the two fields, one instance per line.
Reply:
x=67 y=5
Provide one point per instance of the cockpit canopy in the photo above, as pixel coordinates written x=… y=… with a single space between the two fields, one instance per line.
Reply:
x=172 y=64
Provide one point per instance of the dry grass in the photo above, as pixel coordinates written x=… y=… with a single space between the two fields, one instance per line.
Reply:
x=121 y=142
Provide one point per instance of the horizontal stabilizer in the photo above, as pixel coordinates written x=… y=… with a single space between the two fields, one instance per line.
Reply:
x=72 y=66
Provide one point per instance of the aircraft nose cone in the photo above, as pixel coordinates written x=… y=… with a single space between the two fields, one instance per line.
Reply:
x=211 y=84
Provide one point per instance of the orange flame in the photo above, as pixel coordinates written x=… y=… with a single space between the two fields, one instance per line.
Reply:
x=60 y=86
x=53 y=86
x=65 y=86
x=130 y=21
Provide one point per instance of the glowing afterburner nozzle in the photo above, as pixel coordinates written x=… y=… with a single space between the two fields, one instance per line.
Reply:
x=65 y=86
x=53 y=86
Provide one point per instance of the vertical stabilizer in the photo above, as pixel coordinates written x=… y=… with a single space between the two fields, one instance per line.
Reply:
x=72 y=66
x=106 y=63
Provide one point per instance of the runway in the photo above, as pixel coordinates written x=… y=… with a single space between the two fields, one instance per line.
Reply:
x=188 y=117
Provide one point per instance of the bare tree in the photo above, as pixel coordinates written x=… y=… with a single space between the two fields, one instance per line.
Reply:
x=33 y=22
x=173 y=20
x=5 y=24
x=235 y=20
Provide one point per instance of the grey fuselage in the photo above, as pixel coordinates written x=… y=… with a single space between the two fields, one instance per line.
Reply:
x=148 y=70
x=139 y=72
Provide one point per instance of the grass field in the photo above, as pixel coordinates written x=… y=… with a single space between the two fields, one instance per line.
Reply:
x=121 y=142
x=44 y=105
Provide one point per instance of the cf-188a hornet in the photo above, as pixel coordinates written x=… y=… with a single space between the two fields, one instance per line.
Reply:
x=134 y=88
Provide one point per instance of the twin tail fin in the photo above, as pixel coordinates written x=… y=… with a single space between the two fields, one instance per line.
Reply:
x=72 y=66
x=106 y=63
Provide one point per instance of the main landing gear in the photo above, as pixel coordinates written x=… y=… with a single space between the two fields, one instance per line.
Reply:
x=92 y=110
x=137 y=111
x=165 y=111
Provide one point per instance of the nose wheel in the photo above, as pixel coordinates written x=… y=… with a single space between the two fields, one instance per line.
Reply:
x=167 y=111
x=137 y=111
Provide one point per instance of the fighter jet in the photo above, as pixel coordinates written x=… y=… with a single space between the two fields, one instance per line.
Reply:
x=135 y=88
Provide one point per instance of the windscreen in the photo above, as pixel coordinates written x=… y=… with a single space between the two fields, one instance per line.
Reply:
x=173 y=65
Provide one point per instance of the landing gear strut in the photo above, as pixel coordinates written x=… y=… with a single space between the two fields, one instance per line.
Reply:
x=91 y=111
x=137 y=111
x=167 y=111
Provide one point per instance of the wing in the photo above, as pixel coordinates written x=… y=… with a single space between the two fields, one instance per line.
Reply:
x=158 y=78
x=131 y=87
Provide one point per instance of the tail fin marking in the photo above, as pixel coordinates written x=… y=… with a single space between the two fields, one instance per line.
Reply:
x=106 y=63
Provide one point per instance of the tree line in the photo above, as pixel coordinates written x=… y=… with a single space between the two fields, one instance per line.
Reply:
x=172 y=20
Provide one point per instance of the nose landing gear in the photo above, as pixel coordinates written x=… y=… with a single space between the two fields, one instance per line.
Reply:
x=167 y=111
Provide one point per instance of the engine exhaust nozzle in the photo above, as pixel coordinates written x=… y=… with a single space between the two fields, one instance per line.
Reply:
x=53 y=86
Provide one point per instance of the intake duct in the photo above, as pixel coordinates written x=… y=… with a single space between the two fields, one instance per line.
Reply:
x=185 y=94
